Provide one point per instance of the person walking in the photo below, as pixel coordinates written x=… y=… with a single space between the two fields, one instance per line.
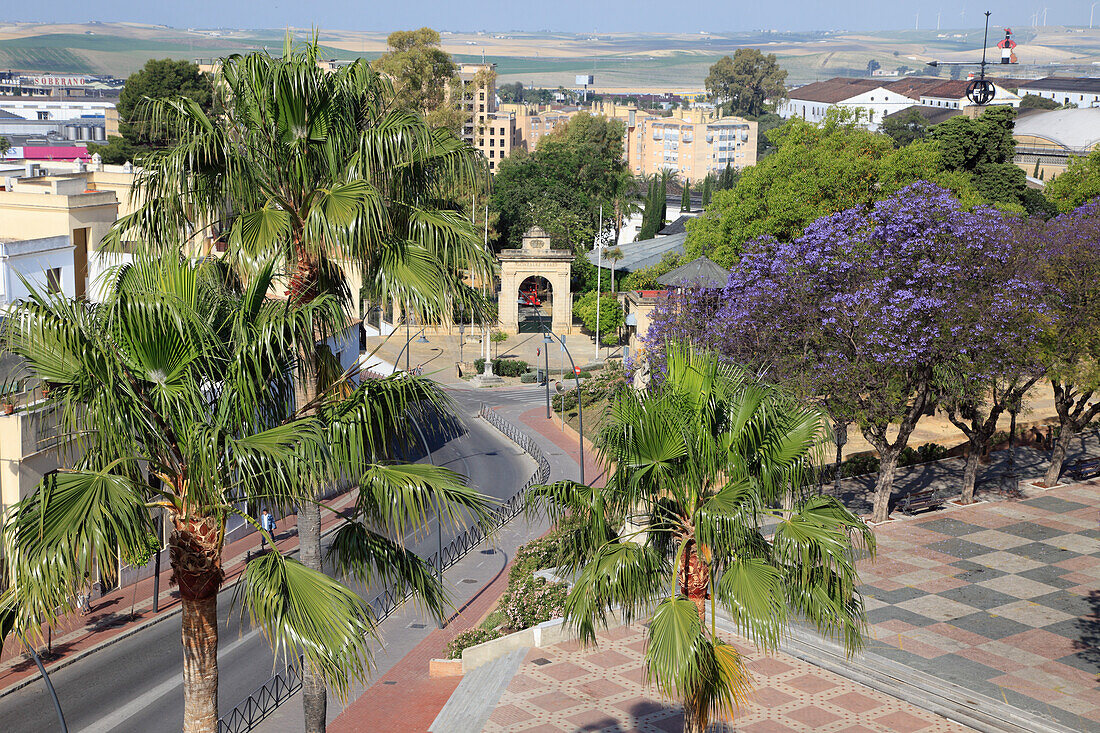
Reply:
x=267 y=523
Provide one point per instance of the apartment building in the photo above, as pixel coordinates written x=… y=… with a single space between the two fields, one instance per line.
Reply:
x=690 y=143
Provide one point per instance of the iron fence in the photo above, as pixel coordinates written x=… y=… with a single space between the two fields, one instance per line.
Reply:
x=264 y=700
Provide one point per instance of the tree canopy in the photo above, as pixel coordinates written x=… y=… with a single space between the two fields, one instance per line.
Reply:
x=984 y=148
x=422 y=73
x=876 y=311
x=905 y=128
x=749 y=84
x=1079 y=183
x=562 y=185
x=158 y=79
x=815 y=171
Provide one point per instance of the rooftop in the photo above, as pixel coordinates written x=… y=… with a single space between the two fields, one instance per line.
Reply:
x=701 y=271
x=832 y=91
x=1088 y=85
x=1076 y=129
x=642 y=254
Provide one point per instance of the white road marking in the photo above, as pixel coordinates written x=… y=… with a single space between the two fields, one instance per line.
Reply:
x=124 y=713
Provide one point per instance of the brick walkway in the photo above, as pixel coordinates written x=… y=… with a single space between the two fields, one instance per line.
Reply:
x=1000 y=598
x=405 y=698
x=111 y=619
x=564 y=688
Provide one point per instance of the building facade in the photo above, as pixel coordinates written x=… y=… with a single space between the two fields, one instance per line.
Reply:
x=1082 y=91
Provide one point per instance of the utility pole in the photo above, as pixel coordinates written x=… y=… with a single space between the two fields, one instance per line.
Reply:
x=599 y=273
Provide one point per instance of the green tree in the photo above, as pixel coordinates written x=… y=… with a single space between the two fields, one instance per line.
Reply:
x=984 y=148
x=424 y=77
x=174 y=392
x=708 y=189
x=611 y=315
x=699 y=461
x=765 y=122
x=1034 y=101
x=562 y=186
x=905 y=128
x=685 y=196
x=4 y=145
x=815 y=171
x=158 y=79
x=316 y=168
x=749 y=84
x=1079 y=183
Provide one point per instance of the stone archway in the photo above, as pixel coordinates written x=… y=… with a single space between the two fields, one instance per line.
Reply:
x=535 y=259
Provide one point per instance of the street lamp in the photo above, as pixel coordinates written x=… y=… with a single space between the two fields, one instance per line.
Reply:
x=49 y=684
x=405 y=349
x=546 y=341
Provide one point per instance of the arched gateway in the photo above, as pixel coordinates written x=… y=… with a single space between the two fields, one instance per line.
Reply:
x=532 y=262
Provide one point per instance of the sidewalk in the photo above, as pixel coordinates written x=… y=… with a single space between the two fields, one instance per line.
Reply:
x=75 y=637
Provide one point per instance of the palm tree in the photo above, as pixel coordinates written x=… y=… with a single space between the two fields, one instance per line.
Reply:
x=175 y=395
x=316 y=168
x=697 y=465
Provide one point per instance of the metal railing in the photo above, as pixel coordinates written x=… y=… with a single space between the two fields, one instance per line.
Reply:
x=264 y=700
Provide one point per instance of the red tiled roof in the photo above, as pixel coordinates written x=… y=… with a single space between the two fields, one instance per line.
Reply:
x=832 y=91
x=913 y=86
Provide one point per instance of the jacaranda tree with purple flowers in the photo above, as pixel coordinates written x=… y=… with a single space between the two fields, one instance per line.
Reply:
x=1070 y=257
x=880 y=312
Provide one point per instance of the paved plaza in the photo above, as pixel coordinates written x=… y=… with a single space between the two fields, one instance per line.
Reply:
x=565 y=689
x=1001 y=598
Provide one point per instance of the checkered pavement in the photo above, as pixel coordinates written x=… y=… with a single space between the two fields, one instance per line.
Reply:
x=566 y=688
x=1001 y=598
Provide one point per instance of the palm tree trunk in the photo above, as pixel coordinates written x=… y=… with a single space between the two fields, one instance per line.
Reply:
x=200 y=664
x=303 y=288
x=195 y=550
x=695 y=580
x=314 y=693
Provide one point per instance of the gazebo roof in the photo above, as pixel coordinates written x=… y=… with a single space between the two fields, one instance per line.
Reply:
x=701 y=271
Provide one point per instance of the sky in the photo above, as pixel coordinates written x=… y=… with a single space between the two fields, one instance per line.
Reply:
x=582 y=16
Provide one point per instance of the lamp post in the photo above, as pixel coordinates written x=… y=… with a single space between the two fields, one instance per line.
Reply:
x=548 y=334
x=546 y=341
x=49 y=684
x=405 y=349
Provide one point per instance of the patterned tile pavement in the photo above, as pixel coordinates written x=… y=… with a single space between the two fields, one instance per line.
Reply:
x=566 y=688
x=1001 y=598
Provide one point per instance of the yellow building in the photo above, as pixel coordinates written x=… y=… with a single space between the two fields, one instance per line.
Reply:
x=690 y=143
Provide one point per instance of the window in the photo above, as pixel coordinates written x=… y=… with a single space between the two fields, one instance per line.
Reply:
x=492 y=153
x=53 y=280
x=43 y=115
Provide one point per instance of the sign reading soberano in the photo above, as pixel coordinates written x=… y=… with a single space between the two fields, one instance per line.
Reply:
x=56 y=80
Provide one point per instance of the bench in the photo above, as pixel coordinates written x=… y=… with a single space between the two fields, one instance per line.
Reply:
x=920 y=500
x=1083 y=468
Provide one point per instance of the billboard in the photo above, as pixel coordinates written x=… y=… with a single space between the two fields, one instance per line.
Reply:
x=56 y=80
x=585 y=80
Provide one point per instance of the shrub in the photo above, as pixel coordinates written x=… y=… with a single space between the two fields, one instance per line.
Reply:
x=535 y=555
x=529 y=377
x=532 y=601
x=504 y=367
x=859 y=465
x=585 y=374
x=469 y=638
x=923 y=454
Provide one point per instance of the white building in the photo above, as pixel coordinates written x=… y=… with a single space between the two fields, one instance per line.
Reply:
x=1082 y=91
x=44 y=264
x=47 y=108
x=873 y=99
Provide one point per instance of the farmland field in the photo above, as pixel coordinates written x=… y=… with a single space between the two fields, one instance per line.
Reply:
x=637 y=62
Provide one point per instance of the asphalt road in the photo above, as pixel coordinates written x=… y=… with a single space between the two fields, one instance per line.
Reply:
x=135 y=685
